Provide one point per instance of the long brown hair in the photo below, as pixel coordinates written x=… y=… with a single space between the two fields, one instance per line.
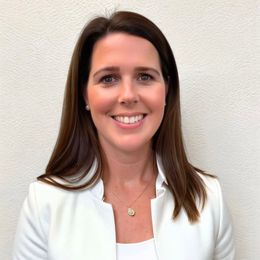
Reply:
x=77 y=145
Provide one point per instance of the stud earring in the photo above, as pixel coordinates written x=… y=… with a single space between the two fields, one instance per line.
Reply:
x=87 y=107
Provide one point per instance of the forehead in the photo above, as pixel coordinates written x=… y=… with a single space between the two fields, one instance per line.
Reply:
x=121 y=49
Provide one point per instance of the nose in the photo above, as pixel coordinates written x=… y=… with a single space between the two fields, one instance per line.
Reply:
x=128 y=93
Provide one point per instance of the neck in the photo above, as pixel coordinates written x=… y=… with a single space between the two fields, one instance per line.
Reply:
x=129 y=169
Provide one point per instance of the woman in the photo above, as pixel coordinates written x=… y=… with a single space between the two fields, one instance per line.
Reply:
x=118 y=184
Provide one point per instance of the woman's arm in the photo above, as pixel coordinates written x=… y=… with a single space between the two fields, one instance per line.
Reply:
x=30 y=241
x=225 y=249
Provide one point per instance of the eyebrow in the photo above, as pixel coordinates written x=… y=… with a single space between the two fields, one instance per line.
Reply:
x=117 y=69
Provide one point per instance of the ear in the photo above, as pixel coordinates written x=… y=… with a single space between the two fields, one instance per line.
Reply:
x=85 y=96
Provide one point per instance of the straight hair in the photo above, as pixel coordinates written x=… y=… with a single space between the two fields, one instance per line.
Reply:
x=77 y=145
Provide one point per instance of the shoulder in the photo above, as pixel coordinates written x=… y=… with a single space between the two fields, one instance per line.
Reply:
x=217 y=207
x=46 y=203
x=212 y=186
x=47 y=191
x=48 y=199
x=215 y=202
x=42 y=199
x=41 y=191
x=39 y=188
x=33 y=225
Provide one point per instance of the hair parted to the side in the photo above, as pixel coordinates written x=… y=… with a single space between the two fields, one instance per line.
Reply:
x=77 y=145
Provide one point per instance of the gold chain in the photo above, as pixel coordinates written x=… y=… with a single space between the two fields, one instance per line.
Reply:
x=130 y=211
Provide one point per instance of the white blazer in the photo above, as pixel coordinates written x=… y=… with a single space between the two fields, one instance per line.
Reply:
x=56 y=224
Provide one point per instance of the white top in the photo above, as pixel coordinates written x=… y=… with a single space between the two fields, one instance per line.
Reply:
x=136 y=251
x=49 y=214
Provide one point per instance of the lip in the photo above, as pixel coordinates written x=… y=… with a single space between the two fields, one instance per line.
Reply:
x=129 y=126
x=129 y=114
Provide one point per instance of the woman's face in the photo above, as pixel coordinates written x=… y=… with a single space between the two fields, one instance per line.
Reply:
x=125 y=92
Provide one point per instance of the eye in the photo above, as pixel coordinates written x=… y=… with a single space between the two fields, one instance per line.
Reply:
x=144 y=77
x=109 y=79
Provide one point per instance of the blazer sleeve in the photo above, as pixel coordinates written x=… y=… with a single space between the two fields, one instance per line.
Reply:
x=225 y=249
x=30 y=241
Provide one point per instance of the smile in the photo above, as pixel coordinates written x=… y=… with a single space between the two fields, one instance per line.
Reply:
x=128 y=119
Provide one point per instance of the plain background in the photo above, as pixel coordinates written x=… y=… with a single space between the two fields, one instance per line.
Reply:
x=217 y=49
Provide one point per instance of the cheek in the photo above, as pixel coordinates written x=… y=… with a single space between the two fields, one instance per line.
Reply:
x=158 y=98
x=158 y=102
x=99 y=101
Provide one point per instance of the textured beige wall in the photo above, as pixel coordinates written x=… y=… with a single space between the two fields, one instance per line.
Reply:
x=216 y=45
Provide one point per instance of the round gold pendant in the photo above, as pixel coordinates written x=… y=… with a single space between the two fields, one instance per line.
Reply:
x=130 y=212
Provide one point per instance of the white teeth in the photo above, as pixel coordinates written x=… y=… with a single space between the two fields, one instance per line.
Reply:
x=128 y=119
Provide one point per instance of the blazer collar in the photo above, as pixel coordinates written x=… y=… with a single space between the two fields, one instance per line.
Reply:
x=98 y=188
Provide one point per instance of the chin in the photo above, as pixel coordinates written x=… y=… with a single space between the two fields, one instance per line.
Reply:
x=126 y=144
x=134 y=147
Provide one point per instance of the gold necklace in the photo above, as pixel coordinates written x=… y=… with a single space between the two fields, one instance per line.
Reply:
x=130 y=211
